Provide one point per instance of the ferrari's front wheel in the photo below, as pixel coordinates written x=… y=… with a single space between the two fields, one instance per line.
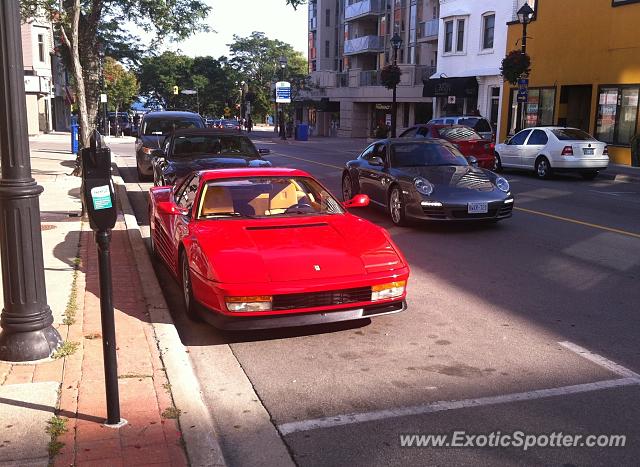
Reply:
x=187 y=291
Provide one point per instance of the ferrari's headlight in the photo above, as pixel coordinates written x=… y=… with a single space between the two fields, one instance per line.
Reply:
x=502 y=184
x=246 y=304
x=423 y=186
x=389 y=290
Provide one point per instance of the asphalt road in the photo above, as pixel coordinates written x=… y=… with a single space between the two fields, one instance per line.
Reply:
x=514 y=326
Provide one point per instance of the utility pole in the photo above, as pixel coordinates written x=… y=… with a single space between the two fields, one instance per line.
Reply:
x=26 y=320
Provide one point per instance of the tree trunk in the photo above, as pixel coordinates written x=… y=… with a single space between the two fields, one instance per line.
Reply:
x=73 y=45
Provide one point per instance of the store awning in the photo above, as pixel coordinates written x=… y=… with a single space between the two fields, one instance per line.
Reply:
x=444 y=87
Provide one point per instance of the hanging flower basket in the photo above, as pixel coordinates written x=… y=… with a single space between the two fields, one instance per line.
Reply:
x=390 y=76
x=515 y=65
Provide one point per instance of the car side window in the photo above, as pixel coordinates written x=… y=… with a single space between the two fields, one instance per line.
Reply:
x=187 y=194
x=410 y=133
x=538 y=137
x=449 y=121
x=380 y=151
x=423 y=132
x=368 y=153
x=519 y=138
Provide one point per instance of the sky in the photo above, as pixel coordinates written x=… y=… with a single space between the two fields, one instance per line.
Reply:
x=241 y=17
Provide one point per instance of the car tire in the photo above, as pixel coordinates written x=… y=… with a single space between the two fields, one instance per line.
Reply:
x=349 y=189
x=397 y=209
x=590 y=175
x=187 y=292
x=543 y=168
x=152 y=242
x=497 y=165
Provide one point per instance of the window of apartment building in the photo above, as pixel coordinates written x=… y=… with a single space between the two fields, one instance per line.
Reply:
x=488 y=27
x=538 y=111
x=327 y=17
x=448 y=36
x=41 y=48
x=460 y=36
x=327 y=49
x=617 y=115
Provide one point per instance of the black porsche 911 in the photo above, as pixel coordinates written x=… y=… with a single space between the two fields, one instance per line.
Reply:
x=426 y=180
x=187 y=151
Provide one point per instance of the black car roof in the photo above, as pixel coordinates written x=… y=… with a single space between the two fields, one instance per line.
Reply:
x=205 y=131
x=170 y=114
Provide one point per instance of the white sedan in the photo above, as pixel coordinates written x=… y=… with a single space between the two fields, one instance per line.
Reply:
x=549 y=149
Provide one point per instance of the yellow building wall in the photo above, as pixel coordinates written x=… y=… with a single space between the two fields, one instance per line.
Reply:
x=576 y=42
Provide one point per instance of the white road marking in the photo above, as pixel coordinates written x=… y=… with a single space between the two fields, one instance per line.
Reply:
x=600 y=360
x=630 y=378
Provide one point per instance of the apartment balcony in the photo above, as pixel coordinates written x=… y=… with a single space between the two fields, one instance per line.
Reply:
x=429 y=30
x=363 y=8
x=342 y=80
x=313 y=24
x=370 y=78
x=423 y=72
x=364 y=44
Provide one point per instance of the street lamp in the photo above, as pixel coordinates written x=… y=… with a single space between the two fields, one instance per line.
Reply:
x=26 y=320
x=396 y=43
x=525 y=14
x=281 y=123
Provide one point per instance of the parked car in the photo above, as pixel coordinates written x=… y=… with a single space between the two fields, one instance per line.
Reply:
x=480 y=124
x=554 y=149
x=271 y=247
x=426 y=179
x=190 y=150
x=230 y=124
x=464 y=138
x=120 y=125
x=154 y=128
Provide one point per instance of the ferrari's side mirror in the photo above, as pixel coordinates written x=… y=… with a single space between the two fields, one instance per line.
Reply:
x=358 y=201
x=167 y=207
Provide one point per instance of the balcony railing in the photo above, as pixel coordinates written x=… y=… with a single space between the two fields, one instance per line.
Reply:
x=363 y=8
x=342 y=80
x=429 y=29
x=423 y=72
x=364 y=44
x=370 y=78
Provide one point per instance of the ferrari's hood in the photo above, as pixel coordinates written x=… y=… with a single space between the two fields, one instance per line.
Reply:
x=291 y=249
x=452 y=176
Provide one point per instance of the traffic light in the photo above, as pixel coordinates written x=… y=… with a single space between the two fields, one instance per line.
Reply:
x=175 y=89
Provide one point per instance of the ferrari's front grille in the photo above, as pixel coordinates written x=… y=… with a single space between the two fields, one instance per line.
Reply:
x=324 y=298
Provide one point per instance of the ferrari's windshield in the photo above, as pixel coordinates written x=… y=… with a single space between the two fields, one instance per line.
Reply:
x=227 y=145
x=424 y=155
x=266 y=197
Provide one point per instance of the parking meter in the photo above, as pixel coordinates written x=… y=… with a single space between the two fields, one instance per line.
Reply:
x=97 y=188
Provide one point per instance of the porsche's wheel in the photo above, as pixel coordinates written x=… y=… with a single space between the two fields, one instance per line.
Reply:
x=187 y=291
x=397 y=207
x=543 y=168
x=497 y=164
x=348 y=189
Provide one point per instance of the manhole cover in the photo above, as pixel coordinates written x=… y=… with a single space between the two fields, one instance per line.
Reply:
x=47 y=226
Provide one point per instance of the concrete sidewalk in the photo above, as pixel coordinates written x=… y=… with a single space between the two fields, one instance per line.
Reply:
x=52 y=412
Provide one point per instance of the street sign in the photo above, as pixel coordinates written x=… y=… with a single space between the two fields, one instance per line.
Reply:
x=523 y=96
x=283 y=92
x=103 y=98
x=451 y=100
x=189 y=92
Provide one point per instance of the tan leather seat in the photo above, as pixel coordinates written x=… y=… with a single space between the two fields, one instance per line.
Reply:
x=217 y=200
x=282 y=197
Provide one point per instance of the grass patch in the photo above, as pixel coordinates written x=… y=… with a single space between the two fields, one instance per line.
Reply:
x=133 y=375
x=167 y=387
x=171 y=412
x=67 y=348
x=72 y=304
x=56 y=426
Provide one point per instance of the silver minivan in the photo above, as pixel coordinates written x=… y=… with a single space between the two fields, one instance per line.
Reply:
x=480 y=124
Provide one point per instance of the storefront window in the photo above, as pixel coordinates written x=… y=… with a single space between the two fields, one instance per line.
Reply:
x=617 y=114
x=538 y=111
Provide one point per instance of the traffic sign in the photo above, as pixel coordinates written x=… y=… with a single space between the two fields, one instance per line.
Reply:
x=523 y=96
x=283 y=92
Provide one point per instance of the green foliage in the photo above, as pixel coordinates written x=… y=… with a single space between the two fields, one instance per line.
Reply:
x=515 y=65
x=56 y=426
x=67 y=348
x=390 y=76
x=121 y=85
x=296 y=3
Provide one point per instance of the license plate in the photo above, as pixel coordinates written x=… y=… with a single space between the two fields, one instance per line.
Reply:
x=588 y=151
x=477 y=208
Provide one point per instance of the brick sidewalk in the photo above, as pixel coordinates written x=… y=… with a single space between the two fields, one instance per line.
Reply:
x=152 y=436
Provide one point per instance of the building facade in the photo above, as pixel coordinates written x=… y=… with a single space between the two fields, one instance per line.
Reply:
x=349 y=45
x=471 y=45
x=585 y=71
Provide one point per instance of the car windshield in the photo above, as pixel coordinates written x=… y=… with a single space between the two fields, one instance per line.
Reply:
x=458 y=133
x=478 y=124
x=186 y=146
x=572 y=134
x=424 y=155
x=165 y=126
x=264 y=197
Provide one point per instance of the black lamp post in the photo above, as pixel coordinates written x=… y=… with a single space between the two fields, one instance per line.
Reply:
x=525 y=14
x=27 y=333
x=396 y=43
x=281 y=121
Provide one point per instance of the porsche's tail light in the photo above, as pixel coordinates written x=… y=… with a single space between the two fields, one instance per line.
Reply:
x=247 y=304
x=388 y=290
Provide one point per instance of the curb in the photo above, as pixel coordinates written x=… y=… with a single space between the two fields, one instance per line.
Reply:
x=202 y=446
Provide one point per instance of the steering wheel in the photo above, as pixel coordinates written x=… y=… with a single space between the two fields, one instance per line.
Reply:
x=299 y=207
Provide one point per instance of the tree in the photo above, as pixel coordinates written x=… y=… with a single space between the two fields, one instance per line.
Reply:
x=81 y=26
x=121 y=86
x=255 y=59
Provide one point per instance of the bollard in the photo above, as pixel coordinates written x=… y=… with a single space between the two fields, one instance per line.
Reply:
x=74 y=135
